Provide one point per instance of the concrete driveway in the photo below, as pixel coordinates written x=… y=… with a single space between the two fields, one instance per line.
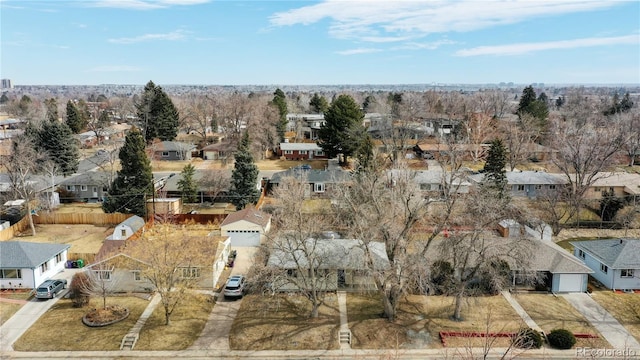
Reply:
x=215 y=335
x=29 y=313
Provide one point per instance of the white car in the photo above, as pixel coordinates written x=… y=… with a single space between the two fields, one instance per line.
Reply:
x=234 y=287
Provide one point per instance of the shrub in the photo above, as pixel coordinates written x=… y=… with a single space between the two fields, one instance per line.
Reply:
x=528 y=339
x=561 y=339
x=79 y=290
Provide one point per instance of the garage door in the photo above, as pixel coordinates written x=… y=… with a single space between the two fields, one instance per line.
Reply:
x=569 y=282
x=244 y=238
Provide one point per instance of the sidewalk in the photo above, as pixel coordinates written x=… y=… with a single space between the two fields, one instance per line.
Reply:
x=523 y=314
x=607 y=325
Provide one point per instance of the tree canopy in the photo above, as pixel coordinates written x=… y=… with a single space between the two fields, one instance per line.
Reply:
x=244 y=178
x=341 y=133
x=318 y=104
x=187 y=184
x=74 y=119
x=133 y=181
x=530 y=104
x=280 y=102
x=158 y=114
x=495 y=176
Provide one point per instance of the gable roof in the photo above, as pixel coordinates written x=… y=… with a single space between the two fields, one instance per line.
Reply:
x=220 y=146
x=88 y=178
x=172 y=146
x=249 y=214
x=346 y=254
x=23 y=254
x=312 y=176
x=621 y=253
x=549 y=256
x=299 y=146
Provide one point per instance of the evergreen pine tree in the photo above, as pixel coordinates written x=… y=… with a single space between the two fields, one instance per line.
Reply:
x=318 y=104
x=341 y=132
x=158 y=114
x=52 y=109
x=187 y=184
x=280 y=102
x=244 y=178
x=134 y=181
x=495 y=176
x=57 y=140
x=73 y=118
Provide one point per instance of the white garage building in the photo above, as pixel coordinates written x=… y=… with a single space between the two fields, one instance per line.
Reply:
x=246 y=227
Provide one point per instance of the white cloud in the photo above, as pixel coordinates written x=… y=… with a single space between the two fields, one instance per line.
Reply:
x=371 y=20
x=424 y=45
x=114 y=68
x=358 y=51
x=523 y=48
x=172 y=36
x=144 y=4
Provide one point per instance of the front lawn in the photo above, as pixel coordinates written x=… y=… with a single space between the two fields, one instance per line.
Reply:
x=187 y=322
x=551 y=312
x=624 y=307
x=8 y=308
x=421 y=318
x=61 y=327
x=281 y=322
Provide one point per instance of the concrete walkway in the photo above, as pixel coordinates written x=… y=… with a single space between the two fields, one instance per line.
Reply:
x=344 y=323
x=607 y=325
x=215 y=335
x=523 y=314
x=145 y=314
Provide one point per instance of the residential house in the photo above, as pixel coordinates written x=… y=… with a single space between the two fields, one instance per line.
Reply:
x=321 y=183
x=530 y=184
x=246 y=227
x=25 y=265
x=211 y=186
x=615 y=262
x=172 y=150
x=90 y=186
x=623 y=184
x=126 y=272
x=438 y=151
x=339 y=264
x=432 y=183
x=308 y=125
x=218 y=151
x=300 y=151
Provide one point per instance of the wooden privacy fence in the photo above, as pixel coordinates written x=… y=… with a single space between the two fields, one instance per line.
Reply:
x=81 y=218
x=10 y=232
x=89 y=258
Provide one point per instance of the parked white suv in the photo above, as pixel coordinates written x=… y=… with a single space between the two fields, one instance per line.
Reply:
x=234 y=287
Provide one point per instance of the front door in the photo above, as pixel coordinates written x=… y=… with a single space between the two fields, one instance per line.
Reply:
x=95 y=191
x=342 y=282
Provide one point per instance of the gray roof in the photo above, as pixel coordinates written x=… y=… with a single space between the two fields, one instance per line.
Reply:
x=299 y=146
x=528 y=178
x=621 y=253
x=88 y=178
x=347 y=254
x=312 y=176
x=27 y=255
x=549 y=256
x=135 y=223
x=429 y=176
x=172 y=146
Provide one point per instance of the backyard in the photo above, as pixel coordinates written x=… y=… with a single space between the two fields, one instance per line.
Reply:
x=83 y=238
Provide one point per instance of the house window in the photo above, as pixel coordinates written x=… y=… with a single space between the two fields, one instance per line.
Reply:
x=123 y=232
x=10 y=274
x=318 y=187
x=626 y=273
x=604 y=268
x=83 y=187
x=425 y=186
x=292 y=273
x=136 y=275
x=71 y=188
x=44 y=267
x=552 y=187
x=288 y=152
x=597 y=189
x=581 y=254
x=319 y=153
x=165 y=154
x=191 y=272
x=538 y=187
x=519 y=187
x=59 y=258
x=302 y=152
x=103 y=275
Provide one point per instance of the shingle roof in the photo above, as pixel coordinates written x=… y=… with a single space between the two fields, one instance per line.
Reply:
x=23 y=254
x=249 y=214
x=312 y=176
x=615 y=253
x=534 y=178
x=299 y=146
x=347 y=254
x=88 y=178
x=548 y=256
x=172 y=146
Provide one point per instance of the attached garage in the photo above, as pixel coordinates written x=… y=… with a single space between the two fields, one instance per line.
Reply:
x=246 y=227
x=563 y=283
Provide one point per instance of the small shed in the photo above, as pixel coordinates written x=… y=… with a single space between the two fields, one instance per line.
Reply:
x=127 y=228
x=510 y=228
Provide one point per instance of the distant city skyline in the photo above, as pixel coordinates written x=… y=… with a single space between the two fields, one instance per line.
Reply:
x=205 y=42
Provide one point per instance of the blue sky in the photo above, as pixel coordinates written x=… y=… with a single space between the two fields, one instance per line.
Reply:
x=92 y=42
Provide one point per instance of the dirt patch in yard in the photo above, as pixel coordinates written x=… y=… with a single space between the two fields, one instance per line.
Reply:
x=82 y=238
x=80 y=208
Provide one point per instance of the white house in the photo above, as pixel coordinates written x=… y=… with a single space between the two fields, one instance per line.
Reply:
x=25 y=265
x=246 y=227
x=125 y=229
x=615 y=262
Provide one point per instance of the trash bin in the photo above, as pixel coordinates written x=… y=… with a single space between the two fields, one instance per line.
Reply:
x=80 y=263
x=69 y=264
x=74 y=264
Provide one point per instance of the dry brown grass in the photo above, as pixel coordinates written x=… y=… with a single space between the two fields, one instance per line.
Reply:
x=624 y=307
x=61 y=328
x=82 y=238
x=281 y=322
x=551 y=312
x=187 y=323
x=277 y=164
x=7 y=309
x=173 y=165
x=421 y=318
x=80 y=208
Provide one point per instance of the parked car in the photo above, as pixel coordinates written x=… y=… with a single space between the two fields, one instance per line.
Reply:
x=234 y=287
x=50 y=288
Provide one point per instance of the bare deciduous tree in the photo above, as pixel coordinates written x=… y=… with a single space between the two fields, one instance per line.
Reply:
x=214 y=182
